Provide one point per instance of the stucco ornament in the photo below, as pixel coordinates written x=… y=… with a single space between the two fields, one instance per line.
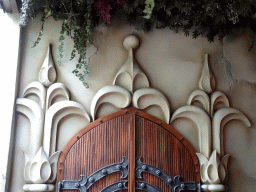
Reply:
x=210 y=114
x=56 y=92
x=38 y=90
x=116 y=95
x=207 y=81
x=203 y=123
x=45 y=109
x=48 y=75
x=131 y=82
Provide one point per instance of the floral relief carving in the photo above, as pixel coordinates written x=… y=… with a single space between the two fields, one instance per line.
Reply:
x=208 y=109
x=44 y=115
x=214 y=114
x=47 y=74
x=131 y=78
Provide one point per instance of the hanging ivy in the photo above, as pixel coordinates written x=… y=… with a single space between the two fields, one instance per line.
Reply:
x=206 y=18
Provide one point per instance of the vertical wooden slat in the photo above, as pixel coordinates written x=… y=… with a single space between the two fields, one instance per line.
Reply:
x=102 y=145
x=128 y=134
x=160 y=148
x=131 y=183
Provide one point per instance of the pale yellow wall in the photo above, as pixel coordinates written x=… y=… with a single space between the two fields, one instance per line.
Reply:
x=172 y=63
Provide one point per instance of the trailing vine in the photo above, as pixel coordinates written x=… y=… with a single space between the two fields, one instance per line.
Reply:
x=206 y=18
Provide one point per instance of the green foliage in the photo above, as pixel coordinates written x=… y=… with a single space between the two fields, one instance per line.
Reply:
x=206 y=18
x=150 y=4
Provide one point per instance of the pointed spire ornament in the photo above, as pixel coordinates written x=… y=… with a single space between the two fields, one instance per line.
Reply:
x=47 y=74
x=207 y=81
x=130 y=76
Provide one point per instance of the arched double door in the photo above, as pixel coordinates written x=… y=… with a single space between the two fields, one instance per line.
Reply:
x=128 y=151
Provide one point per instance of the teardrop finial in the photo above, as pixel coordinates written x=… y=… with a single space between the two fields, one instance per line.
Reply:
x=131 y=42
x=207 y=81
x=130 y=76
x=47 y=74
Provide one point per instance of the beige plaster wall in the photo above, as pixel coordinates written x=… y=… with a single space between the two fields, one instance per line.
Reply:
x=172 y=63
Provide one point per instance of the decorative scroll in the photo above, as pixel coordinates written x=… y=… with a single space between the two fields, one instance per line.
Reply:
x=131 y=78
x=146 y=97
x=56 y=92
x=210 y=126
x=41 y=159
x=37 y=89
x=203 y=123
x=112 y=94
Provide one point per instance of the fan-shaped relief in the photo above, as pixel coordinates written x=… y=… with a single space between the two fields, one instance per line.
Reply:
x=140 y=80
x=218 y=100
x=201 y=97
x=146 y=97
x=47 y=74
x=41 y=158
x=34 y=113
x=131 y=78
x=219 y=121
x=56 y=92
x=35 y=89
x=203 y=123
x=213 y=170
x=54 y=115
x=111 y=94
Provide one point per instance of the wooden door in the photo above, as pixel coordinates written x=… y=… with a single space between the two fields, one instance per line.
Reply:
x=128 y=151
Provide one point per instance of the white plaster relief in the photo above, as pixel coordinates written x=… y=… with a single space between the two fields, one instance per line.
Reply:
x=145 y=97
x=56 y=92
x=53 y=160
x=202 y=97
x=36 y=88
x=218 y=100
x=38 y=187
x=203 y=122
x=41 y=158
x=28 y=159
x=113 y=94
x=40 y=169
x=35 y=114
x=54 y=114
x=131 y=80
x=213 y=170
x=130 y=76
x=207 y=81
x=213 y=187
x=47 y=74
x=220 y=119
